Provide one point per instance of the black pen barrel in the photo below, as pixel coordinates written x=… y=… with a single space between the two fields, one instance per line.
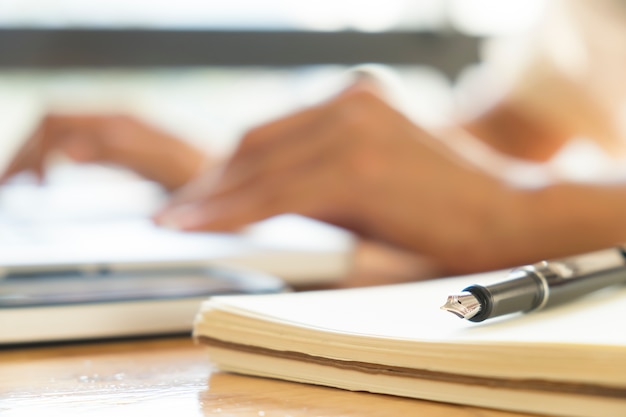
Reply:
x=520 y=294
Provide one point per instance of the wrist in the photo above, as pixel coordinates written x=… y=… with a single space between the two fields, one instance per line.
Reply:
x=487 y=233
x=570 y=218
x=550 y=222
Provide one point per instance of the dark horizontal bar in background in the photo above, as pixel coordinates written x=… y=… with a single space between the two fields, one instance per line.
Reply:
x=61 y=48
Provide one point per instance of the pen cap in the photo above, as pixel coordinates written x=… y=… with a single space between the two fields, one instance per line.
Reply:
x=576 y=276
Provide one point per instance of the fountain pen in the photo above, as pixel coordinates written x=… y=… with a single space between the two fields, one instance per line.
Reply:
x=543 y=284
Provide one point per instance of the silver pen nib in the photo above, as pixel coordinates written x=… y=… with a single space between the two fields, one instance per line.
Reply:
x=463 y=305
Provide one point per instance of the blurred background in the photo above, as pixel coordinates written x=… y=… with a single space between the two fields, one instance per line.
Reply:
x=208 y=70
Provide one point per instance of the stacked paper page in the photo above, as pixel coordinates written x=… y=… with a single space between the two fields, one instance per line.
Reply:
x=569 y=360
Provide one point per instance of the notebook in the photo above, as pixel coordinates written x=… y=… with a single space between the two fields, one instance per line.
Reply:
x=84 y=260
x=564 y=361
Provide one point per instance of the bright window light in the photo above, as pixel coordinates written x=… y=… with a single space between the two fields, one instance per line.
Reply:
x=364 y=15
x=495 y=17
x=368 y=15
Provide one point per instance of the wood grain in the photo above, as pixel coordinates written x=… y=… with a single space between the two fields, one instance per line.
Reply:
x=174 y=377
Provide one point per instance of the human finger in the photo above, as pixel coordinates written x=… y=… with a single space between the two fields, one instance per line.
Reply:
x=72 y=135
x=307 y=191
x=30 y=157
x=253 y=148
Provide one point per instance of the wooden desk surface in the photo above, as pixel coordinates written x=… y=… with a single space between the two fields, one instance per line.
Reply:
x=172 y=376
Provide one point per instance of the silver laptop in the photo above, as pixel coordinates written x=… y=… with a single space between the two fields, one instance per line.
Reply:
x=84 y=261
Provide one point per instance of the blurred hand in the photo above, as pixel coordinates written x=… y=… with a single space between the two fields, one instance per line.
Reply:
x=115 y=139
x=357 y=163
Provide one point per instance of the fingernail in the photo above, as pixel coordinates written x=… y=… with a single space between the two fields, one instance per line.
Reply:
x=167 y=222
x=185 y=217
